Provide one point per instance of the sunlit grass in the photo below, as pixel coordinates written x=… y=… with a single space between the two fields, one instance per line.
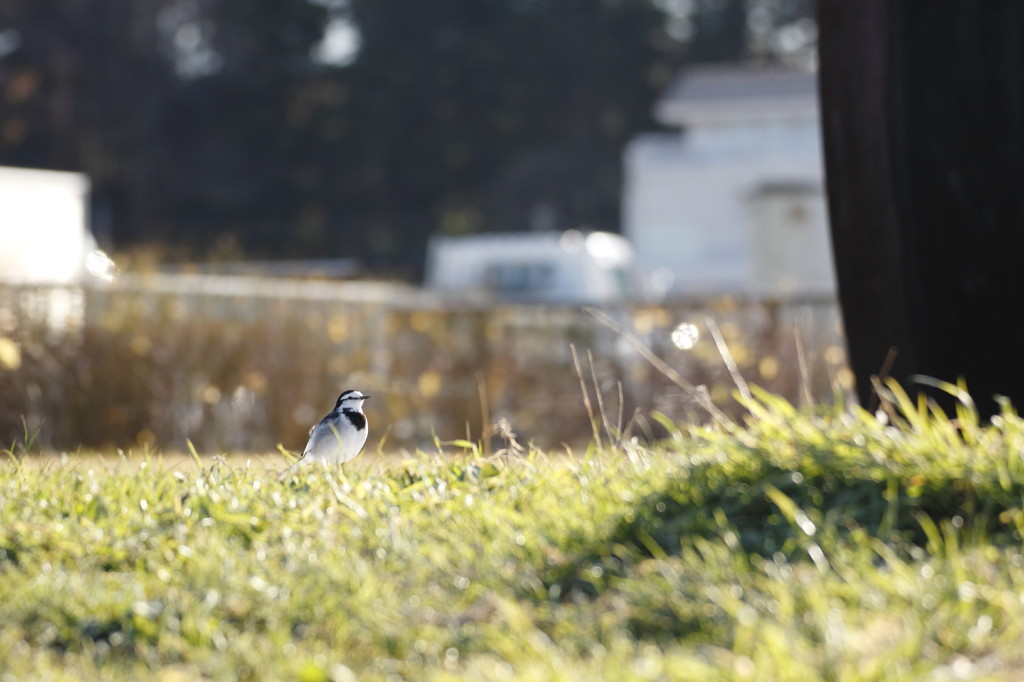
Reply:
x=804 y=545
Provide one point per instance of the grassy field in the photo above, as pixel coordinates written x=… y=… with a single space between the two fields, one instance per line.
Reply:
x=820 y=545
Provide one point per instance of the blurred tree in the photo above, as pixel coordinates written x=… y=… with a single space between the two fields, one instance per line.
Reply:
x=228 y=146
x=78 y=83
x=733 y=30
x=460 y=97
x=719 y=32
x=351 y=127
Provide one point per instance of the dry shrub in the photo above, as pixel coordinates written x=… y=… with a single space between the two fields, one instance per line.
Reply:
x=247 y=366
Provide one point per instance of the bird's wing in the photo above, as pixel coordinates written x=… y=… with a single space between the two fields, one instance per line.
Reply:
x=313 y=439
x=325 y=434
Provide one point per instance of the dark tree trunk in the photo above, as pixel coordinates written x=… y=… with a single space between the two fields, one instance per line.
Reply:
x=923 y=124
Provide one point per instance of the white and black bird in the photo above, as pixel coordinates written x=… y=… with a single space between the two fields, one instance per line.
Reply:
x=340 y=435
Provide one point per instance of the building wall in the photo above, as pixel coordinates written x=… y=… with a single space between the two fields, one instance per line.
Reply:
x=687 y=210
x=44 y=237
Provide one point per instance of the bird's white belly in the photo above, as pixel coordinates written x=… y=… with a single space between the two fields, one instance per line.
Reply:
x=326 y=446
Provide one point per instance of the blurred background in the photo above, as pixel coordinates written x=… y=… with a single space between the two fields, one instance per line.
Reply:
x=215 y=215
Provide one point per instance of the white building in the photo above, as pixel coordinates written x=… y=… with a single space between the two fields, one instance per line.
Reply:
x=46 y=248
x=44 y=233
x=734 y=201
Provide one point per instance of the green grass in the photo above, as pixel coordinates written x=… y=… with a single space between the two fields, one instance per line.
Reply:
x=819 y=545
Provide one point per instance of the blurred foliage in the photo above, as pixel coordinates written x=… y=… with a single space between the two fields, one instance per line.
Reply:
x=257 y=362
x=200 y=120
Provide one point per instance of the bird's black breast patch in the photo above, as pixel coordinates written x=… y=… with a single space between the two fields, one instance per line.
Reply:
x=358 y=419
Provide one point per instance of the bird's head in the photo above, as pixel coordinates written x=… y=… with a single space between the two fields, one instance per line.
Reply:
x=350 y=400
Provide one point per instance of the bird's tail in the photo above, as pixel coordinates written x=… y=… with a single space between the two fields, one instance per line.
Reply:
x=291 y=469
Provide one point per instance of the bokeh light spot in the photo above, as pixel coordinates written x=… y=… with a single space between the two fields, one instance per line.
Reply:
x=100 y=265
x=10 y=354
x=768 y=367
x=685 y=336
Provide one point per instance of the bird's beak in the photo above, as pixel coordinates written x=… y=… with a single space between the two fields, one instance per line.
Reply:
x=364 y=397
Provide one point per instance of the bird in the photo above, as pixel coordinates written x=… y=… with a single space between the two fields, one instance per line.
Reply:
x=340 y=435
